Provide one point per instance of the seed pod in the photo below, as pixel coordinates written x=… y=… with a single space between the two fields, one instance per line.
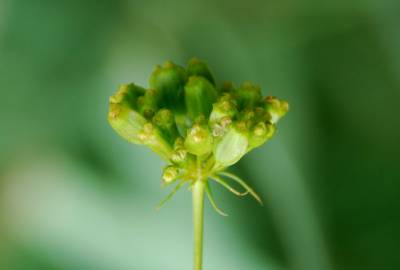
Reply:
x=122 y=115
x=170 y=80
x=197 y=67
x=232 y=146
x=151 y=136
x=248 y=95
x=199 y=140
x=170 y=174
x=200 y=94
x=260 y=133
x=275 y=108
x=165 y=121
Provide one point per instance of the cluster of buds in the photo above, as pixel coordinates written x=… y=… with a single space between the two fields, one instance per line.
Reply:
x=194 y=125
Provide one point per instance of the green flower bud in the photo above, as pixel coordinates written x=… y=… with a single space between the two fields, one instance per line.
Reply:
x=260 y=134
x=151 y=136
x=220 y=128
x=227 y=87
x=247 y=117
x=200 y=94
x=223 y=109
x=170 y=80
x=248 y=95
x=170 y=174
x=179 y=143
x=275 y=108
x=197 y=67
x=259 y=114
x=165 y=121
x=231 y=147
x=122 y=116
x=128 y=94
x=149 y=103
x=199 y=140
x=179 y=156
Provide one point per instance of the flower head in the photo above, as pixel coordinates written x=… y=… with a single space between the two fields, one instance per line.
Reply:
x=192 y=123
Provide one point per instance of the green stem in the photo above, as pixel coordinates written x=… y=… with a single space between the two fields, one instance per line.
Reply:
x=198 y=213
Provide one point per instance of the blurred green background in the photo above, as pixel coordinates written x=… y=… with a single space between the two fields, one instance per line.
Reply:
x=73 y=195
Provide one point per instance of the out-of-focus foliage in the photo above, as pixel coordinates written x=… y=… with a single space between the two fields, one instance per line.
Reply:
x=75 y=196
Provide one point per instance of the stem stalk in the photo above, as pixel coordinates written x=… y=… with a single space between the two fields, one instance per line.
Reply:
x=198 y=213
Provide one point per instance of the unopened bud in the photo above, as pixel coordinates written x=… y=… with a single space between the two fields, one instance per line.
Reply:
x=260 y=134
x=179 y=156
x=225 y=108
x=199 y=140
x=151 y=136
x=275 y=108
x=122 y=115
x=221 y=127
x=149 y=103
x=248 y=95
x=197 y=67
x=200 y=94
x=170 y=80
x=170 y=174
x=227 y=87
x=128 y=94
x=165 y=121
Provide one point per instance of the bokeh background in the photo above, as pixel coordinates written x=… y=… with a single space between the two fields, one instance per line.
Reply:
x=73 y=195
